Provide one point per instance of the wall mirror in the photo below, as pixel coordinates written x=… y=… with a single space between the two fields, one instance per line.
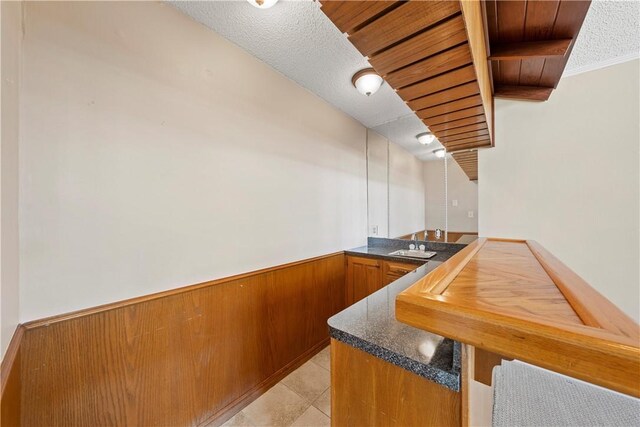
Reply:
x=407 y=195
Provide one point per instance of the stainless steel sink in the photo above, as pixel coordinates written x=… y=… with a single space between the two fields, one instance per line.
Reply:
x=413 y=253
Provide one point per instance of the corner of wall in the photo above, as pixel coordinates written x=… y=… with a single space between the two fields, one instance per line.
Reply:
x=11 y=16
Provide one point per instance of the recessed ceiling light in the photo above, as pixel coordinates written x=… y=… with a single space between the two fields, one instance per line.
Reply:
x=262 y=4
x=439 y=153
x=426 y=138
x=367 y=81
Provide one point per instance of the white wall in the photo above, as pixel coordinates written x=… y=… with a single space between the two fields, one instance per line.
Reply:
x=406 y=192
x=377 y=184
x=11 y=35
x=459 y=188
x=566 y=173
x=156 y=154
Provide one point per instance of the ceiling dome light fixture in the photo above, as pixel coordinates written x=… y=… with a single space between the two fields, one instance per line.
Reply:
x=425 y=138
x=440 y=153
x=367 y=81
x=262 y=4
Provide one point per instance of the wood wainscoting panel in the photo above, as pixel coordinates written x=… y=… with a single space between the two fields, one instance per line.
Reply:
x=367 y=391
x=183 y=358
x=11 y=382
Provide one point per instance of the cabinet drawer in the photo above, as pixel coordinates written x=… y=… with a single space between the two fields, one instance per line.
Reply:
x=399 y=268
x=390 y=278
x=392 y=270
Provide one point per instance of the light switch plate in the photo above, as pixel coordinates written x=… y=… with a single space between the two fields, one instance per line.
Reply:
x=470 y=214
x=454 y=203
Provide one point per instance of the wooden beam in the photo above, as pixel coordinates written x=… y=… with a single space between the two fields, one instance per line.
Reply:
x=530 y=50
x=529 y=93
x=472 y=13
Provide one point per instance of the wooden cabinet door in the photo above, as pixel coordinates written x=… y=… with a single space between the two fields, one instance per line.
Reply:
x=364 y=276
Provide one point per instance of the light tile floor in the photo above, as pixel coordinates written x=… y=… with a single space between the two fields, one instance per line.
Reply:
x=302 y=399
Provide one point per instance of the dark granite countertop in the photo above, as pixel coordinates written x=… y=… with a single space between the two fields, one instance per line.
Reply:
x=380 y=248
x=371 y=326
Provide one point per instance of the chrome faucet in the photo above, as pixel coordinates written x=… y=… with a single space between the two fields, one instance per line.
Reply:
x=414 y=239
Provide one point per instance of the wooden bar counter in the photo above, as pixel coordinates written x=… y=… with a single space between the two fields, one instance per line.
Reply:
x=513 y=298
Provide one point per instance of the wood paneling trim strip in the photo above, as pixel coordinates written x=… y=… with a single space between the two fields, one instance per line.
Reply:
x=529 y=93
x=466 y=371
x=527 y=50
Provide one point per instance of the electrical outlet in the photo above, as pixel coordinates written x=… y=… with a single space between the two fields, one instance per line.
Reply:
x=454 y=203
x=470 y=214
x=375 y=230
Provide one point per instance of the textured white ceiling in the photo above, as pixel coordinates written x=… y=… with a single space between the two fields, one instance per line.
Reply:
x=298 y=40
x=610 y=31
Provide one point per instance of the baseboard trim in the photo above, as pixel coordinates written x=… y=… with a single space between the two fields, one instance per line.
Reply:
x=47 y=321
x=243 y=401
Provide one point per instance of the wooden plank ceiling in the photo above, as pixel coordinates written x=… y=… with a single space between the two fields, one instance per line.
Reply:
x=468 y=161
x=530 y=43
x=422 y=50
x=448 y=59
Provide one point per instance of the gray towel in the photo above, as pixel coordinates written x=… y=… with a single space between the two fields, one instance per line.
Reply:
x=525 y=395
